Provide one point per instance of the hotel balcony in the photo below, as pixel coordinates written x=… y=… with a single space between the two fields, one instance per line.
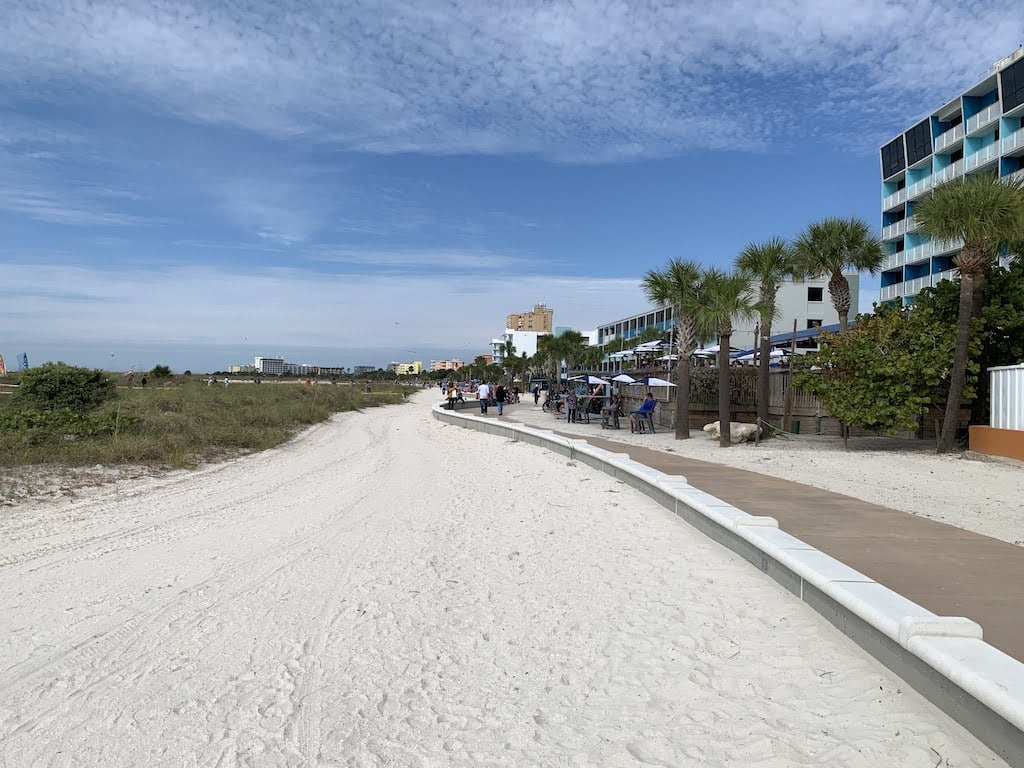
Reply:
x=892 y=261
x=986 y=154
x=950 y=139
x=949 y=274
x=912 y=287
x=896 y=198
x=1012 y=143
x=1016 y=176
x=894 y=230
x=918 y=188
x=983 y=118
x=890 y=292
x=929 y=249
x=949 y=173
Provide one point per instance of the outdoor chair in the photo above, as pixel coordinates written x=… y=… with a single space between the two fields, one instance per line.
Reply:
x=644 y=421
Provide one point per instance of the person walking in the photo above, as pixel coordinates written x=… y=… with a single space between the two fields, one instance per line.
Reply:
x=536 y=393
x=572 y=402
x=500 y=395
x=483 y=392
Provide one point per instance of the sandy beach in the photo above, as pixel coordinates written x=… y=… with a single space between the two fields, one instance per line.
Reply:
x=388 y=590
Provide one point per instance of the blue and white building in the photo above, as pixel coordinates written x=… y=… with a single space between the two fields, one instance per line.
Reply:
x=979 y=131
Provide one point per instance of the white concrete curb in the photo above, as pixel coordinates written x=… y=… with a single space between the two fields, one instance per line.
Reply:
x=950 y=647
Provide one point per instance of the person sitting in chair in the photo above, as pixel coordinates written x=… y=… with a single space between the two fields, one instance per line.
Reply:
x=642 y=413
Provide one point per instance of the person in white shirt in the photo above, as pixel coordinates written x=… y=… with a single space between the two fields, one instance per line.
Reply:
x=483 y=393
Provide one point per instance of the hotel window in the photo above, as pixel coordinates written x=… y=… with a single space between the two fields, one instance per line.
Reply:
x=813 y=323
x=815 y=293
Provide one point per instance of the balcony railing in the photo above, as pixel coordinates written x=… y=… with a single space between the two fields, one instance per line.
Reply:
x=949 y=274
x=983 y=118
x=918 y=188
x=896 y=198
x=1016 y=175
x=890 y=292
x=929 y=249
x=949 y=138
x=894 y=230
x=1012 y=142
x=912 y=287
x=982 y=156
x=892 y=261
x=949 y=173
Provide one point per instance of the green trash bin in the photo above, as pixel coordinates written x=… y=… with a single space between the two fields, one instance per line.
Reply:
x=794 y=427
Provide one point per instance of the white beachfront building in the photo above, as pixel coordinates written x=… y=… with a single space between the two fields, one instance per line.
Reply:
x=524 y=341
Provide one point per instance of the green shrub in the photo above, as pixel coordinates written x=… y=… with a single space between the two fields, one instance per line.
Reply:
x=56 y=386
x=160 y=372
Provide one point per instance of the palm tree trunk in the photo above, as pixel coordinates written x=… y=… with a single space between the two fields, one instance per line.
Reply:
x=969 y=283
x=763 y=381
x=683 y=380
x=839 y=290
x=724 y=425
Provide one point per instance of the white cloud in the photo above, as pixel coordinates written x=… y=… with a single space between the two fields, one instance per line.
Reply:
x=276 y=307
x=592 y=81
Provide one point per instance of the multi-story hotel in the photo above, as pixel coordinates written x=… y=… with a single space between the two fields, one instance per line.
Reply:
x=980 y=131
x=446 y=365
x=539 y=320
x=804 y=301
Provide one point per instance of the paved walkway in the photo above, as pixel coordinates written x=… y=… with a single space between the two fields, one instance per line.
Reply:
x=949 y=571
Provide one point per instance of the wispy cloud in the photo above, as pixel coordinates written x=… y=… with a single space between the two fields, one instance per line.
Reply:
x=199 y=306
x=421 y=259
x=602 y=80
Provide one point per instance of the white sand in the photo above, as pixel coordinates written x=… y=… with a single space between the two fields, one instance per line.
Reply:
x=392 y=591
x=981 y=496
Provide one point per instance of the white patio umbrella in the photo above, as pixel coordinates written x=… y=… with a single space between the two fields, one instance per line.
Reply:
x=623 y=378
x=654 y=381
x=775 y=353
x=590 y=379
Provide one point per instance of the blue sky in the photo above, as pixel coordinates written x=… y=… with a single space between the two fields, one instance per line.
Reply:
x=353 y=183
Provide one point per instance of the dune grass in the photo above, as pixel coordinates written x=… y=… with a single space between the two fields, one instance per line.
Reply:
x=184 y=422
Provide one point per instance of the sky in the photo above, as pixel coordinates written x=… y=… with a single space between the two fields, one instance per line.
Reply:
x=354 y=183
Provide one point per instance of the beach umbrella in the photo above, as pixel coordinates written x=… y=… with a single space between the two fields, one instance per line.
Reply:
x=774 y=354
x=654 y=381
x=590 y=379
x=624 y=378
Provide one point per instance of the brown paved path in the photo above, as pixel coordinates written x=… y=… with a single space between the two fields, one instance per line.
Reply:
x=949 y=571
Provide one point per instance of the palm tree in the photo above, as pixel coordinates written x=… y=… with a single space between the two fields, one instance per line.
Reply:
x=720 y=298
x=508 y=357
x=987 y=214
x=675 y=286
x=832 y=246
x=768 y=263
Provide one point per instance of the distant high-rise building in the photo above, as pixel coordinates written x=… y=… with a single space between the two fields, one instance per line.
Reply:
x=269 y=366
x=446 y=365
x=539 y=320
x=979 y=131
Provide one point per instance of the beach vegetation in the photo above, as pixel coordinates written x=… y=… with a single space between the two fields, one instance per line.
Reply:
x=675 y=286
x=180 y=424
x=768 y=264
x=161 y=372
x=62 y=387
x=719 y=298
x=832 y=247
x=987 y=214
x=885 y=371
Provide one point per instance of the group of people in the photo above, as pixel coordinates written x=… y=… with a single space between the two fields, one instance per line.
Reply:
x=495 y=394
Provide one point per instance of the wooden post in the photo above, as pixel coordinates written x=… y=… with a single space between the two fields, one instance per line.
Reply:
x=787 y=408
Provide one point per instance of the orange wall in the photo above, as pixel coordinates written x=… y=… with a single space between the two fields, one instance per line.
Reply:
x=998 y=442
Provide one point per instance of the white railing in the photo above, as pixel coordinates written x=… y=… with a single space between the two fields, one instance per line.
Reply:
x=890 y=292
x=949 y=173
x=917 y=284
x=983 y=118
x=918 y=188
x=1007 y=393
x=892 y=261
x=896 y=198
x=931 y=248
x=949 y=138
x=894 y=230
x=1017 y=175
x=949 y=274
x=983 y=155
x=1014 y=141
